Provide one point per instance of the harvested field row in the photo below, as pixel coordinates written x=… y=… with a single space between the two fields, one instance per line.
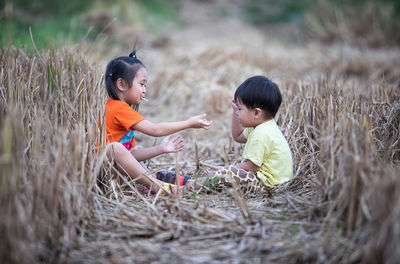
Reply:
x=340 y=114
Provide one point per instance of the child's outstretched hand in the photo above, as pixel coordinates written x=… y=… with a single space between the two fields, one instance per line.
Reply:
x=200 y=121
x=171 y=145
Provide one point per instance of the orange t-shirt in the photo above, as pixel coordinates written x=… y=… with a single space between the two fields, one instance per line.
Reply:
x=119 y=118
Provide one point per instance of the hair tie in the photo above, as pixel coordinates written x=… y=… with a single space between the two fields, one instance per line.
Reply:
x=110 y=74
x=133 y=54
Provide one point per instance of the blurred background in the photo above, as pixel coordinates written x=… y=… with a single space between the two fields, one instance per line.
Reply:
x=57 y=23
x=337 y=63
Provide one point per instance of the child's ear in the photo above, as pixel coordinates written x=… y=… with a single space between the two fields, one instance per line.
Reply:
x=258 y=112
x=121 y=85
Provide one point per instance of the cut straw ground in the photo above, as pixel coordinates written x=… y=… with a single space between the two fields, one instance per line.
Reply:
x=63 y=203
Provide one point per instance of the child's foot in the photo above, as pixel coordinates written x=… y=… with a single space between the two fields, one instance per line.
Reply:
x=170 y=188
x=170 y=177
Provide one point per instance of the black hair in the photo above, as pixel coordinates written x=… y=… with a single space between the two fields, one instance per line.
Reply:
x=124 y=67
x=259 y=91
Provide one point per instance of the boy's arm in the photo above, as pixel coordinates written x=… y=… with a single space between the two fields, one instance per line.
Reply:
x=168 y=128
x=237 y=128
x=248 y=165
x=167 y=145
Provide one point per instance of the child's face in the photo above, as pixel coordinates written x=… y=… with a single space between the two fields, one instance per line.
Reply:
x=137 y=91
x=245 y=115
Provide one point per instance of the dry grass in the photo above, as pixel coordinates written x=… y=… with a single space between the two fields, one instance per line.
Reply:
x=341 y=206
x=366 y=23
x=48 y=163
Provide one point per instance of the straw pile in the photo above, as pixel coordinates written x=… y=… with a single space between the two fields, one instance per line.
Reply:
x=343 y=128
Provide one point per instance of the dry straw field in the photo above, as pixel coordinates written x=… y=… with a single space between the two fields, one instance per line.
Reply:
x=341 y=116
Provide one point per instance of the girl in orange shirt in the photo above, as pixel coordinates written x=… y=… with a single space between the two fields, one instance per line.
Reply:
x=126 y=80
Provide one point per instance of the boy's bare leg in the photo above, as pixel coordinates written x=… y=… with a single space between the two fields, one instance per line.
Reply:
x=195 y=185
x=201 y=183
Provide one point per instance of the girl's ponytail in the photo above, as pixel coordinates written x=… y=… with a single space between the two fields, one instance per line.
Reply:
x=133 y=54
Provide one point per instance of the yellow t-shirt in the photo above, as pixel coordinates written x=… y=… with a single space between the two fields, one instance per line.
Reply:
x=267 y=148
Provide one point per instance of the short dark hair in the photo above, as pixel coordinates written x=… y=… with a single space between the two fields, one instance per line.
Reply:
x=259 y=91
x=124 y=67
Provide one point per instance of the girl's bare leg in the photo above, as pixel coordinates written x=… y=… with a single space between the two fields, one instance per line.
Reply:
x=125 y=159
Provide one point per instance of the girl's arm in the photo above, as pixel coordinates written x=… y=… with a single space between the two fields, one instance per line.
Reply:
x=237 y=128
x=168 y=128
x=167 y=145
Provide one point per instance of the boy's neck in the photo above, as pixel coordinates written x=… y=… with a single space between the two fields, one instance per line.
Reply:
x=265 y=120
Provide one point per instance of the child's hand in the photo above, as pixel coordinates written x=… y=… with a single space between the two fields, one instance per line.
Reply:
x=200 y=121
x=171 y=145
x=234 y=105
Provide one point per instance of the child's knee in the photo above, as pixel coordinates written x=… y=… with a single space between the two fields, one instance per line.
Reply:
x=115 y=149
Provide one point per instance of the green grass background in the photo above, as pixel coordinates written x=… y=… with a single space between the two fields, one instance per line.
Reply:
x=55 y=23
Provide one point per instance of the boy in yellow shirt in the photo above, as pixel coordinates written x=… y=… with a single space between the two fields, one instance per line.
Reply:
x=267 y=159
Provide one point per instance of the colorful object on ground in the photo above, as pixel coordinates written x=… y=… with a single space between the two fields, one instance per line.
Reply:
x=170 y=177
